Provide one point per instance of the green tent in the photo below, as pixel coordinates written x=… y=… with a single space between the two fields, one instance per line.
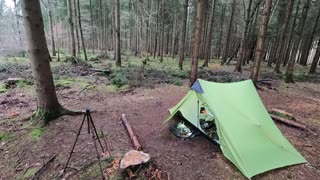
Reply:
x=248 y=137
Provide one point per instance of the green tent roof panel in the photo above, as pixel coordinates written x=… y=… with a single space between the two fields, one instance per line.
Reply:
x=248 y=137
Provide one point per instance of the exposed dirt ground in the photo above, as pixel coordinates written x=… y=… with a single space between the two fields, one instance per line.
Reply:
x=145 y=108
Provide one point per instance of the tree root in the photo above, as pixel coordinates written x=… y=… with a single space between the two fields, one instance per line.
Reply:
x=42 y=117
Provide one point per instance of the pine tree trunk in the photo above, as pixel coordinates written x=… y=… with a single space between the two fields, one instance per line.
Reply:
x=260 y=42
x=283 y=31
x=221 y=30
x=48 y=106
x=315 y=60
x=244 y=40
x=197 y=41
x=288 y=48
x=226 y=49
x=207 y=53
x=76 y=27
x=183 y=34
x=289 y=72
x=18 y=24
x=304 y=57
x=162 y=30
x=117 y=23
x=91 y=25
x=71 y=29
x=81 y=33
x=51 y=29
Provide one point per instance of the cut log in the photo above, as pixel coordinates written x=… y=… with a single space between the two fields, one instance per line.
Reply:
x=134 y=139
x=133 y=158
x=288 y=122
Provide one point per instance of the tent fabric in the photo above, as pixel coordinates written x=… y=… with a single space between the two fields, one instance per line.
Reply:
x=248 y=136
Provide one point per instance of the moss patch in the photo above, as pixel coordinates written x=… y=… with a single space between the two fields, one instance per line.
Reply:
x=3 y=88
x=28 y=174
x=64 y=83
x=4 y=137
x=37 y=133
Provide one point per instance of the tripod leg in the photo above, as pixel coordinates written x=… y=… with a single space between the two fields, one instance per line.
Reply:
x=97 y=152
x=74 y=144
x=95 y=132
x=88 y=122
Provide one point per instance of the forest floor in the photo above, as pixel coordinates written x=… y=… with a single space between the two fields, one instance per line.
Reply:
x=144 y=92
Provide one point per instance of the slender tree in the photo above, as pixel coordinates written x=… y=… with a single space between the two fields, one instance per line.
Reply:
x=48 y=107
x=260 y=42
x=81 y=33
x=207 y=49
x=309 y=40
x=289 y=72
x=53 y=46
x=91 y=24
x=117 y=23
x=226 y=49
x=197 y=41
x=183 y=34
x=315 y=60
x=283 y=30
x=71 y=29
x=244 y=39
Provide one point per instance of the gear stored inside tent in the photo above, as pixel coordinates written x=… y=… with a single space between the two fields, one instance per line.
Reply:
x=247 y=135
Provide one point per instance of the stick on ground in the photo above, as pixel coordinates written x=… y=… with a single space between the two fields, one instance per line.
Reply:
x=134 y=139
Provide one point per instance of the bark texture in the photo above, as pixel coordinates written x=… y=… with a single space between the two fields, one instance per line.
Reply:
x=260 y=42
x=117 y=23
x=289 y=72
x=183 y=34
x=197 y=41
x=48 y=106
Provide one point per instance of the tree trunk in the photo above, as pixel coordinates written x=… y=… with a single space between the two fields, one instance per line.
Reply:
x=162 y=30
x=48 y=106
x=244 y=40
x=221 y=30
x=81 y=33
x=315 y=60
x=18 y=24
x=117 y=23
x=288 y=49
x=289 y=72
x=183 y=34
x=51 y=29
x=207 y=53
x=197 y=41
x=76 y=28
x=304 y=57
x=283 y=31
x=71 y=29
x=157 y=31
x=226 y=49
x=91 y=24
x=260 y=42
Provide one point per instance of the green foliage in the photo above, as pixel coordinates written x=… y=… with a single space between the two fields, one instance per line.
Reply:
x=37 y=133
x=28 y=174
x=64 y=83
x=119 y=78
x=3 y=88
x=24 y=83
x=4 y=137
x=175 y=81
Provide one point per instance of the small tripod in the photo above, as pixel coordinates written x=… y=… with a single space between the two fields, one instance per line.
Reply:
x=91 y=130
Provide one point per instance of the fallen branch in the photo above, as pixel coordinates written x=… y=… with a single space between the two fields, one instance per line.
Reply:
x=134 y=140
x=288 y=122
x=101 y=70
x=45 y=165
